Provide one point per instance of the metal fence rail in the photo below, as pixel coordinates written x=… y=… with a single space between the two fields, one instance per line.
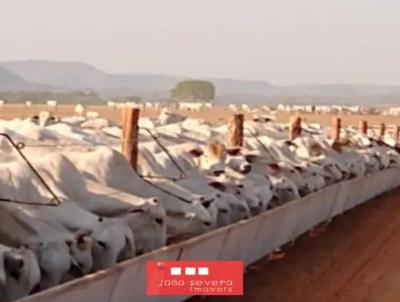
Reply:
x=248 y=240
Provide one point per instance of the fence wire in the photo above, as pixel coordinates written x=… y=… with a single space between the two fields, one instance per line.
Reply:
x=18 y=146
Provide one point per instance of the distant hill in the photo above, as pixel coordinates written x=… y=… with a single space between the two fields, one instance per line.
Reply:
x=77 y=76
x=10 y=81
x=33 y=75
x=80 y=76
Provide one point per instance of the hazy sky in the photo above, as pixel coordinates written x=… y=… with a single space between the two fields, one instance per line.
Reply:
x=281 y=41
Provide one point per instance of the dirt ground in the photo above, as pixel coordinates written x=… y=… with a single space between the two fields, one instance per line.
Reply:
x=356 y=259
x=216 y=115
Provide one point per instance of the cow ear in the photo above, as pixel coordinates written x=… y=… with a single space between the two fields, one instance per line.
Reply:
x=82 y=241
x=274 y=166
x=298 y=168
x=250 y=157
x=207 y=203
x=233 y=151
x=196 y=152
x=291 y=144
x=217 y=185
x=68 y=242
x=13 y=264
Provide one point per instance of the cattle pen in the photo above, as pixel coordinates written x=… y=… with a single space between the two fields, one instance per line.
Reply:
x=247 y=240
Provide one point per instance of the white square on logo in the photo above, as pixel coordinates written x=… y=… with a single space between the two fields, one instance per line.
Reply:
x=190 y=271
x=203 y=271
x=176 y=271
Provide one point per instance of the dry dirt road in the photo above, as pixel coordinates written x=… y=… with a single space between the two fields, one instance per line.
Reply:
x=356 y=259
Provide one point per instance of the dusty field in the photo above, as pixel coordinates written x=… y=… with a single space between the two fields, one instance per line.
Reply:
x=356 y=259
x=217 y=114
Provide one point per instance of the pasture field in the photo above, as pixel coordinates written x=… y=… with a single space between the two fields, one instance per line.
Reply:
x=215 y=115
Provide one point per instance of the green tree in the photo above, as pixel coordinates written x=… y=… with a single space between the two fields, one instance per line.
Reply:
x=193 y=91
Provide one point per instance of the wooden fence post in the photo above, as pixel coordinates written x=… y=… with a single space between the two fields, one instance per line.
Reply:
x=295 y=127
x=130 y=133
x=363 y=127
x=336 y=128
x=235 y=131
x=382 y=129
x=397 y=133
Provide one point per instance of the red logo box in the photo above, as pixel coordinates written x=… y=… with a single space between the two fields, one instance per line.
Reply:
x=183 y=278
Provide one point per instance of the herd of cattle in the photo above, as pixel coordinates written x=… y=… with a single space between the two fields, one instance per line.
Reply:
x=89 y=209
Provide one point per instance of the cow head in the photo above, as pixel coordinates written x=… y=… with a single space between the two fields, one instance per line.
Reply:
x=20 y=273
x=285 y=190
x=55 y=261
x=44 y=118
x=213 y=158
x=212 y=161
x=13 y=264
x=80 y=248
x=148 y=223
x=193 y=220
x=237 y=161
x=27 y=278
x=109 y=239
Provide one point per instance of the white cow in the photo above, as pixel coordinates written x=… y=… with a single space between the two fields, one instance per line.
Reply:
x=233 y=107
x=245 y=107
x=185 y=213
x=112 y=238
x=19 y=272
x=191 y=106
x=111 y=104
x=79 y=110
x=53 y=245
x=126 y=212
x=44 y=118
x=167 y=117
x=51 y=103
x=217 y=203
x=91 y=115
